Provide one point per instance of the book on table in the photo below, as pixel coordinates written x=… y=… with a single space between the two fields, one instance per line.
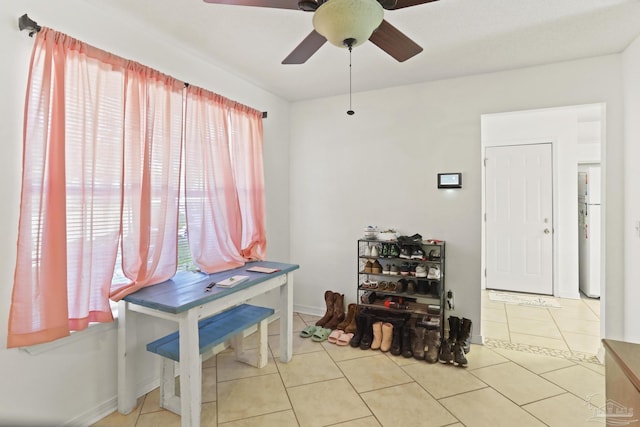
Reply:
x=232 y=281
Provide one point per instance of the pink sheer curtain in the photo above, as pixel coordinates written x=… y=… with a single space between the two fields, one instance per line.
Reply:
x=71 y=190
x=152 y=144
x=247 y=159
x=214 y=223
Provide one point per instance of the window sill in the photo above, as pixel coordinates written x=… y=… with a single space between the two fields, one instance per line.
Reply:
x=93 y=329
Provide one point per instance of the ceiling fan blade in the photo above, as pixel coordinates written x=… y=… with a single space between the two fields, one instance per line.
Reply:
x=305 y=49
x=395 y=43
x=278 y=4
x=399 y=4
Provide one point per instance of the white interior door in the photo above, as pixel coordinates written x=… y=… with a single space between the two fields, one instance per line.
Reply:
x=519 y=220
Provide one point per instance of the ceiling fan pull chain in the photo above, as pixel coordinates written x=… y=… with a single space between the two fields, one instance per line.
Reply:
x=350 y=111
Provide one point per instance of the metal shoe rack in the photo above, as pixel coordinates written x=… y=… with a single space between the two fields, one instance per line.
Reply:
x=379 y=289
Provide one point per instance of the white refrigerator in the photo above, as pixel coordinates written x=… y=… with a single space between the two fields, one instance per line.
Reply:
x=589 y=229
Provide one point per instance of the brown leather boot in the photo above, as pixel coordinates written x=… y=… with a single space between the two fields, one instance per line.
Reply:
x=328 y=299
x=377 y=336
x=387 y=336
x=338 y=311
x=351 y=314
x=353 y=326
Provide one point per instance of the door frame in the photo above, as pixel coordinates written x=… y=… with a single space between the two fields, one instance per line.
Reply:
x=554 y=171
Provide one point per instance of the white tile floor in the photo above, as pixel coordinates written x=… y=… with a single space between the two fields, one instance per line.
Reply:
x=573 y=330
x=327 y=385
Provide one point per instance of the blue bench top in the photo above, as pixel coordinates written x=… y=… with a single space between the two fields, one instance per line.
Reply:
x=213 y=330
x=187 y=288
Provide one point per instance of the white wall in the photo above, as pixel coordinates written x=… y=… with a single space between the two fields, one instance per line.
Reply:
x=560 y=127
x=379 y=167
x=631 y=78
x=75 y=382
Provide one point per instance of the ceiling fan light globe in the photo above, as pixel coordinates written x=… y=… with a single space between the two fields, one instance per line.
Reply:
x=339 y=20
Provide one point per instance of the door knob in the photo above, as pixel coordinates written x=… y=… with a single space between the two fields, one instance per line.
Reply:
x=546 y=231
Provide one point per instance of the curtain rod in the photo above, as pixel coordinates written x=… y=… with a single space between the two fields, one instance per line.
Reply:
x=26 y=23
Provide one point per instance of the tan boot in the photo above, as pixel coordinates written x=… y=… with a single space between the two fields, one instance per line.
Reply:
x=328 y=299
x=351 y=314
x=377 y=336
x=338 y=311
x=387 y=336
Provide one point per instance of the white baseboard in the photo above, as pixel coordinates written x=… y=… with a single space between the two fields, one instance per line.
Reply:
x=108 y=407
x=307 y=309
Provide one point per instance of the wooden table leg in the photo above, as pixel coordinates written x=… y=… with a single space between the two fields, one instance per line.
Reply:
x=286 y=319
x=190 y=371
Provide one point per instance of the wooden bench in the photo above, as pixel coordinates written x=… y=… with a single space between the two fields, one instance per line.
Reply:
x=212 y=331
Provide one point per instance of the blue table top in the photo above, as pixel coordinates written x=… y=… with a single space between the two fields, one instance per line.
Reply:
x=187 y=289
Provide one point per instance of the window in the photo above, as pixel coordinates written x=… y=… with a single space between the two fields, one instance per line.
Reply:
x=106 y=141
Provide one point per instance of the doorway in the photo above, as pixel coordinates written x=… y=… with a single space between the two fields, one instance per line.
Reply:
x=519 y=218
x=575 y=135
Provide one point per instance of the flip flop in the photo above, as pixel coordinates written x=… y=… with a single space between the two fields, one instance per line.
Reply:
x=308 y=331
x=321 y=334
x=335 y=335
x=344 y=339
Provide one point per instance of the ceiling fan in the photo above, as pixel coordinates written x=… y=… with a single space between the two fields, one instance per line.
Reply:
x=345 y=23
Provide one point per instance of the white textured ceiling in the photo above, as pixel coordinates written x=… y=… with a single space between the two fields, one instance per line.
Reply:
x=459 y=37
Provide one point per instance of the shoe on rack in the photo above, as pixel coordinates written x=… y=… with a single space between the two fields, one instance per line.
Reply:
x=367 y=267
x=421 y=270
x=411 y=287
x=434 y=273
x=404 y=269
x=394 y=270
x=384 y=251
x=376 y=267
x=412 y=270
x=434 y=287
x=422 y=287
x=434 y=255
x=394 y=251
x=417 y=253
x=374 y=251
x=386 y=269
x=367 y=250
x=401 y=286
x=405 y=252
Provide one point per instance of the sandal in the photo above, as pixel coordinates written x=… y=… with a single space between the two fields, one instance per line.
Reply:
x=321 y=334
x=391 y=287
x=344 y=339
x=335 y=336
x=308 y=331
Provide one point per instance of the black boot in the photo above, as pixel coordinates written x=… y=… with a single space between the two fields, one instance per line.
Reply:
x=357 y=336
x=406 y=347
x=459 y=358
x=446 y=348
x=396 y=344
x=418 y=343
x=367 y=333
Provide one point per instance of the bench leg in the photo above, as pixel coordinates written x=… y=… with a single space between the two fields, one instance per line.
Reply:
x=168 y=398
x=260 y=359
